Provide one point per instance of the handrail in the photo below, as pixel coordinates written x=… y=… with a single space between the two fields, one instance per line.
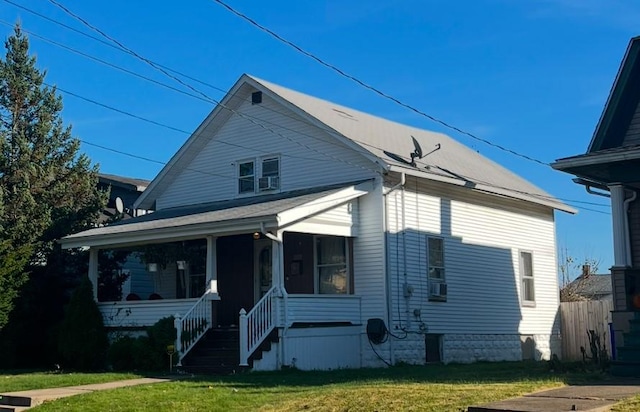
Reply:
x=192 y=326
x=256 y=325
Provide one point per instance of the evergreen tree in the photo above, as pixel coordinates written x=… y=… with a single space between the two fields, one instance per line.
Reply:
x=47 y=188
x=83 y=339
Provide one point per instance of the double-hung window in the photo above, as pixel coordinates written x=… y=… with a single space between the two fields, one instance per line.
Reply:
x=258 y=175
x=246 y=177
x=332 y=265
x=435 y=269
x=528 y=294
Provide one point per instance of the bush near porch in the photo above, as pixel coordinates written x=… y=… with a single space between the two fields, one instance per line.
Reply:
x=417 y=388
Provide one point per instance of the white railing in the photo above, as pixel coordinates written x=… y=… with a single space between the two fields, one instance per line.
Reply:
x=192 y=326
x=256 y=325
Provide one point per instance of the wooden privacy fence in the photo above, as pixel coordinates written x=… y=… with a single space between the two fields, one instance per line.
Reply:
x=576 y=319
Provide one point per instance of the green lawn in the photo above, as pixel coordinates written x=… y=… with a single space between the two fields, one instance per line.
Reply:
x=407 y=388
x=21 y=381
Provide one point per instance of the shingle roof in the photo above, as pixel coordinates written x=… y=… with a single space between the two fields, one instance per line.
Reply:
x=592 y=286
x=126 y=182
x=371 y=136
x=214 y=212
x=453 y=159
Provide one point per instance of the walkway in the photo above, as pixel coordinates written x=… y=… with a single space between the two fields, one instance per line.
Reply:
x=19 y=401
x=586 y=398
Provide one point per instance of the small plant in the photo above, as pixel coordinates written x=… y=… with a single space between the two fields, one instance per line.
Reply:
x=597 y=348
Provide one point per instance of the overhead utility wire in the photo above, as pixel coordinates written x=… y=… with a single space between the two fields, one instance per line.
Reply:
x=165 y=67
x=232 y=177
x=166 y=73
x=372 y=88
x=240 y=114
x=106 y=43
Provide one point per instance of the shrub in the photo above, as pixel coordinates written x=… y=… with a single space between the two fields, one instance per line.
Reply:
x=148 y=353
x=83 y=340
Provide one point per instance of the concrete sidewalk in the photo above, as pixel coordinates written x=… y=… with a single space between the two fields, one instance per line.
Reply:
x=587 y=398
x=22 y=400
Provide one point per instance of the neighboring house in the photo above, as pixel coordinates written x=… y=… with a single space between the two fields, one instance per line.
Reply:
x=588 y=286
x=329 y=238
x=123 y=192
x=611 y=168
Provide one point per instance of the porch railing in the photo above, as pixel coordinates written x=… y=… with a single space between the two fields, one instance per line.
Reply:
x=192 y=326
x=256 y=325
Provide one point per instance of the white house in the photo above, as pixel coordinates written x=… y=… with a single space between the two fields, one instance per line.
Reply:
x=326 y=237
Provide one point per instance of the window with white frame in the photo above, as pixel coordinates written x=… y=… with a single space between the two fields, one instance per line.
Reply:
x=246 y=177
x=270 y=174
x=528 y=294
x=258 y=175
x=332 y=265
x=436 y=269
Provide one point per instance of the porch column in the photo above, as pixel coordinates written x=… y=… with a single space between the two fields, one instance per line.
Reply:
x=93 y=271
x=212 y=265
x=277 y=260
x=619 y=228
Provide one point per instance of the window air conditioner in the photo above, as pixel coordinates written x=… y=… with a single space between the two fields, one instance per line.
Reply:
x=268 y=183
x=438 y=289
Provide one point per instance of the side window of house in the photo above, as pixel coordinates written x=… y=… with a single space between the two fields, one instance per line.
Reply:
x=332 y=265
x=246 y=177
x=526 y=275
x=436 y=269
x=270 y=178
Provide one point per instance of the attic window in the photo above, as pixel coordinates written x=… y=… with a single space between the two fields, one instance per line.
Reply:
x=256 y=97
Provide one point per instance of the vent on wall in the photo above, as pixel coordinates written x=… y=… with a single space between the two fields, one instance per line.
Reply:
x=256 y=97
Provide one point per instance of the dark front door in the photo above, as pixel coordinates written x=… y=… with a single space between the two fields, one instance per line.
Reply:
x=235 y=277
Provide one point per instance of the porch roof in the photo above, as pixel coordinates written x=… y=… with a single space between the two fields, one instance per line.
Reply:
x=228 y=216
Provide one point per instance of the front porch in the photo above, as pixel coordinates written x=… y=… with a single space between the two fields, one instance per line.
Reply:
x=288 y=266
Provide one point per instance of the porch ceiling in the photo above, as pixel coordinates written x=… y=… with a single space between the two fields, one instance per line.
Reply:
x=225 y=217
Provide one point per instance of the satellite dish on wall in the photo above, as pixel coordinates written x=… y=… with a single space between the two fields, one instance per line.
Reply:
x=119 y=205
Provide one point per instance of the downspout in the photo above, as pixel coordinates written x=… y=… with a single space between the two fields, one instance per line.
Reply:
x=403 y=181
x=281 y=288
x=627 y=233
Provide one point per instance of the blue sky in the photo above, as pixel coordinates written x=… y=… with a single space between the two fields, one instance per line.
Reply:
x=532 y=76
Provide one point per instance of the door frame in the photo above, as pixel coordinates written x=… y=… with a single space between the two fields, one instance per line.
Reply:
x=258 y=287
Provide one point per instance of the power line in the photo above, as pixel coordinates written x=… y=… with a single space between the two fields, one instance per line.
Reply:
x=166 y=73
x=106 y=43
x=372 y=88
x=208 y=99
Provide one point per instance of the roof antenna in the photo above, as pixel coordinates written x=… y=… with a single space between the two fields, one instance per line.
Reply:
x=416 y=154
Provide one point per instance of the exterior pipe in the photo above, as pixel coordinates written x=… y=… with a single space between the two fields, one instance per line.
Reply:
x=403 y=181
x=627 y=202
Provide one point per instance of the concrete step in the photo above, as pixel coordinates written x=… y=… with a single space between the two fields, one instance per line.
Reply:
x=628 y=369
x=628 y=353
x=632 y=339
x=20 y=401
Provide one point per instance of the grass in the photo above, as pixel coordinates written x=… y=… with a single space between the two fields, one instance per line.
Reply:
x=22 y=381
x=628 y=405
x=410 y=388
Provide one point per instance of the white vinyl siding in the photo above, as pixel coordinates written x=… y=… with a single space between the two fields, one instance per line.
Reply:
x=309 y=157
x=483 y=236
